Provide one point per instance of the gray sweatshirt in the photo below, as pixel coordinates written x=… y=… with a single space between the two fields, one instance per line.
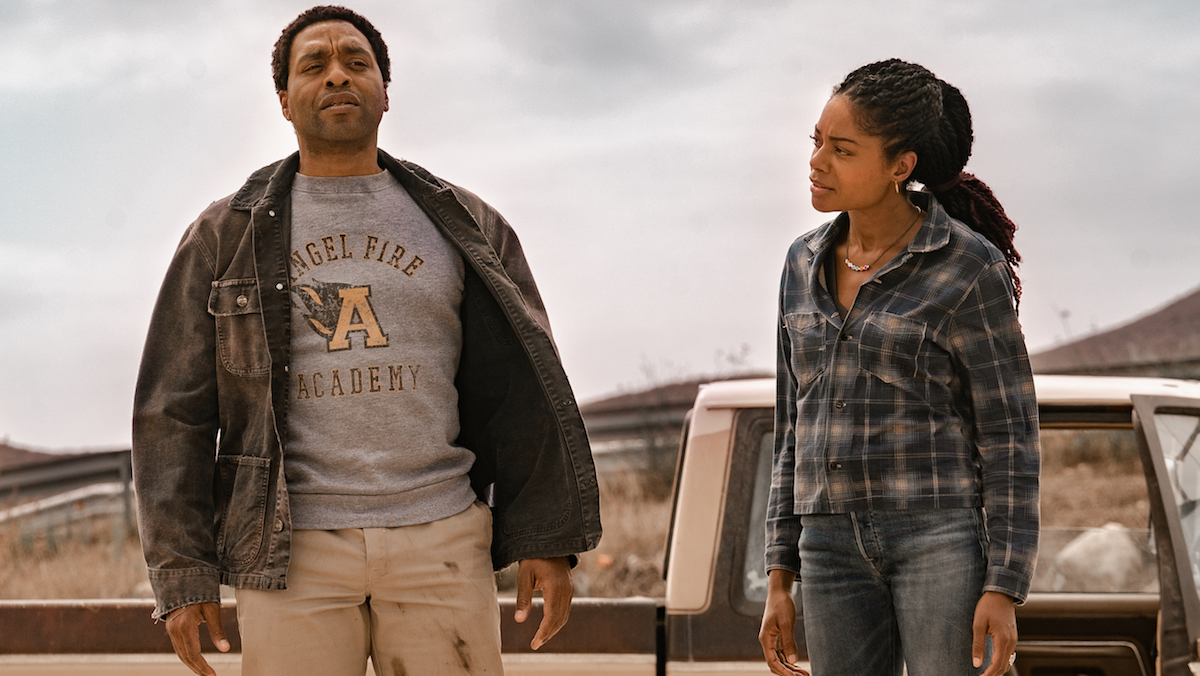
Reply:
x=376 y=338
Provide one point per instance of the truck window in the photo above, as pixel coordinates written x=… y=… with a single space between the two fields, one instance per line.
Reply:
x=1177 y=433
x=754 y=585
x=1095 y=533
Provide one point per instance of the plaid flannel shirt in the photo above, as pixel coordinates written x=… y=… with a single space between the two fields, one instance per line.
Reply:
x=922 y=398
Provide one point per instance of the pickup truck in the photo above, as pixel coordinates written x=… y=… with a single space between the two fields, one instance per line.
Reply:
x=1115 y=592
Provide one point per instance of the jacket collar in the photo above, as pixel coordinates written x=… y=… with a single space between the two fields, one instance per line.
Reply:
x=273 y=179
x=269 y=184
x=933 y=235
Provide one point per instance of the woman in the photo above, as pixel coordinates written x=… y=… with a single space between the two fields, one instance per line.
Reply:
x=905 y=483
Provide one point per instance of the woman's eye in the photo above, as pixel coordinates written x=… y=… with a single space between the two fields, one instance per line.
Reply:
x=816 y=141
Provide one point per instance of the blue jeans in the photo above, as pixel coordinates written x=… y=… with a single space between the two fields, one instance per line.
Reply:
x=882 y=590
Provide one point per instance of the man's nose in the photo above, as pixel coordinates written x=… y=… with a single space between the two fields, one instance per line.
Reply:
x=337 y=77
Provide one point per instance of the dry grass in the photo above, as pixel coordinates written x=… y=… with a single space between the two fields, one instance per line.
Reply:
x=1091 y=496
x=1092 y=477
x=628 y=561
x=83 y=564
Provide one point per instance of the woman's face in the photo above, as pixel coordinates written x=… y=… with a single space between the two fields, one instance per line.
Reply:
x=849 y=170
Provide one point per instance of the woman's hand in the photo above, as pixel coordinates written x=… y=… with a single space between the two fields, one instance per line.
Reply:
x=995 y=617
x=777 y=634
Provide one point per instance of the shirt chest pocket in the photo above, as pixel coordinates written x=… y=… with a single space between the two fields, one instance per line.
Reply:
x=807 y=333
x=890 y=346
x=241 y=333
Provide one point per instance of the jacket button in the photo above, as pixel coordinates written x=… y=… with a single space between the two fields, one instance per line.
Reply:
x=271 y=212
x=279 y=286
x=243 y=301
x=278 y=525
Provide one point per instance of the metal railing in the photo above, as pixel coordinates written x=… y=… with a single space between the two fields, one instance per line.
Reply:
x=50 y=494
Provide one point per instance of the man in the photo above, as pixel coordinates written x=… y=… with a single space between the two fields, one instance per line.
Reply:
x=348 y=357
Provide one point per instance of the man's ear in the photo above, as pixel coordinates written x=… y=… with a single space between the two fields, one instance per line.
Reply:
x=385 y=97
x=283 y=103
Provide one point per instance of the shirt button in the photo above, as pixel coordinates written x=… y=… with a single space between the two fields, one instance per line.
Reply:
x=833 y=466
x=840 y=404
x=279 y=286
x=847 y=336
x=278 y=525
x=242 y=301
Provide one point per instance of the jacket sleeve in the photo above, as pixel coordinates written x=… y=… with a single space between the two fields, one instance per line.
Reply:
x=520 y=417
x=175 y=422
x=990 y=348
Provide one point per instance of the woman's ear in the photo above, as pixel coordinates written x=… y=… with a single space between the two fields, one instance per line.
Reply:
x=903 y=166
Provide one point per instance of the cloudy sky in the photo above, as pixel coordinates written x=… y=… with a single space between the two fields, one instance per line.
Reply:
x=652 y=156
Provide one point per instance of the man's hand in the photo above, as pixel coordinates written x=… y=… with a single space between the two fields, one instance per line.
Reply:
x=183 y=626
x=553 y=578
x=777 y=634
x=995 y=617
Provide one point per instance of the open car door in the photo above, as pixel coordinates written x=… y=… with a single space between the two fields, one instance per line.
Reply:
x=1169 y=429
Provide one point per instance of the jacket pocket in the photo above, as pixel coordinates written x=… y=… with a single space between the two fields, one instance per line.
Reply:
x=243 y=481
x=241 y=333
x=890 y=346
x=807 y=331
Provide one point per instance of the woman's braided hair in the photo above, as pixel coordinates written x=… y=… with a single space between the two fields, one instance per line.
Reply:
x=912 y=109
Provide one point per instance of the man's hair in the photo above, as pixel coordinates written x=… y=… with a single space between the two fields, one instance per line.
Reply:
x=282 y=55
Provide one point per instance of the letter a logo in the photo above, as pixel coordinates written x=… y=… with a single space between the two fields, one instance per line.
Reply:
x=356 y=315
x=346 y=308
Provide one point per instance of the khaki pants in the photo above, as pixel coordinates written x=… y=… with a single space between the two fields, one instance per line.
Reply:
x=419 y=600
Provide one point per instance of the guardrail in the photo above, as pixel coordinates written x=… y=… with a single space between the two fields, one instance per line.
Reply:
x=51 y=494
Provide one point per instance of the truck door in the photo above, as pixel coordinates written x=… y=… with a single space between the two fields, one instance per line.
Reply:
x=722 y=637
x=1169 y=428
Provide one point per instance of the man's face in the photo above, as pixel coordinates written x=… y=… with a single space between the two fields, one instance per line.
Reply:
x=335 y=95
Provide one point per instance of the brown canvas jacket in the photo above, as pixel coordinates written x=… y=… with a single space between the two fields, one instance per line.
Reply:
x=211 y=401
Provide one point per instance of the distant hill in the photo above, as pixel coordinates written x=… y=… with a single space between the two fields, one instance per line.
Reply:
x=1165 y=342
x=12 y=457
